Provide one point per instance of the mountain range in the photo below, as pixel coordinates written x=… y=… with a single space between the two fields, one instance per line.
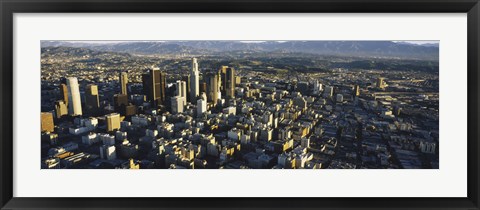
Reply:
x=339 y=48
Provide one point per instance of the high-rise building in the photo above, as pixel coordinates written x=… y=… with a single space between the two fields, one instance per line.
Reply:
x=181 y=88
x=64 y=93
x=123 y=82
x=181 y=91
x=147 y=86
x=380 y=82
x=178 y=104
x=356 y=90
x=47 y=122
x=154 y=85
x=238 y=80
x=92 y=102
x=203 y=87
x=317 y=87
x=187 y=78
x=213 y=87
x=162 y=87
x=113 y=121
x=303 y=87
x=60 y=109
x=75 y=104
x=202 y=104
x=194 y=81
x=328 y=92
x=228 y=81
x=120 y=102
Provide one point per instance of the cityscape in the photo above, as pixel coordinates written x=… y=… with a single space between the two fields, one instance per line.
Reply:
x=239 y=105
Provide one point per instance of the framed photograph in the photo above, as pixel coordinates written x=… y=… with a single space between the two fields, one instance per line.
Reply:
x=239 y=105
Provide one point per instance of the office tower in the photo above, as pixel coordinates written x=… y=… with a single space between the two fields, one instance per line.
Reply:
x=302 y=87
x=47 y=122
x=228 y=81
x=154 y=84
x=356 y=90
x=108 y=152
x=238 y=80
x=161 y=86
x=202 y=104
x=147 y=86
x=230 y=88
x=187 y=78
x=60 y=109
x=203 y=87
x=181 y=88
x=194 y=81
x=120 y=104
x=113 y=121
x=75 y=106
x=123 y=82
x=213 y=87
x=328 y=92
x=317 y=87
x=181 y=91
x=92 y=102
x=64 y=93
x=178 y=104
x=380 y=82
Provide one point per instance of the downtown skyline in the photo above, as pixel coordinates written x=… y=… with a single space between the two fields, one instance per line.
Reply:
x=238 y=111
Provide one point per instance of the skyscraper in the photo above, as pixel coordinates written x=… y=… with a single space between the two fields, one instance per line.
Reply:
x=203 y=86
x=91 y=99
x=356 y=90
x=213 y=87
x=181 y=91
x=380 y=82
x=162 y=86
x=228 y=81
x=154 y=83
x=64 y=93
x=147 y=86
x=47 y=122
x=181 y=88
x=178 y=104
x=202 y=104
x=120 y=102
x=60 y=109
x=187 y=78
x=75 y=104
x=317 y=87
x=328 y=92
x=194 y=81
x=123 y=82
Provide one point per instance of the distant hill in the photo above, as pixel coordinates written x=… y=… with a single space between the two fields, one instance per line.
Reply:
x=342 y=48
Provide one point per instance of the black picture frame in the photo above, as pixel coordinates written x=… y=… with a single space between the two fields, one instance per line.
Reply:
x=9 y=7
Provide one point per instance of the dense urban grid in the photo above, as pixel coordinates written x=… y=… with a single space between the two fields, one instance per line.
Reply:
x=241 y=110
